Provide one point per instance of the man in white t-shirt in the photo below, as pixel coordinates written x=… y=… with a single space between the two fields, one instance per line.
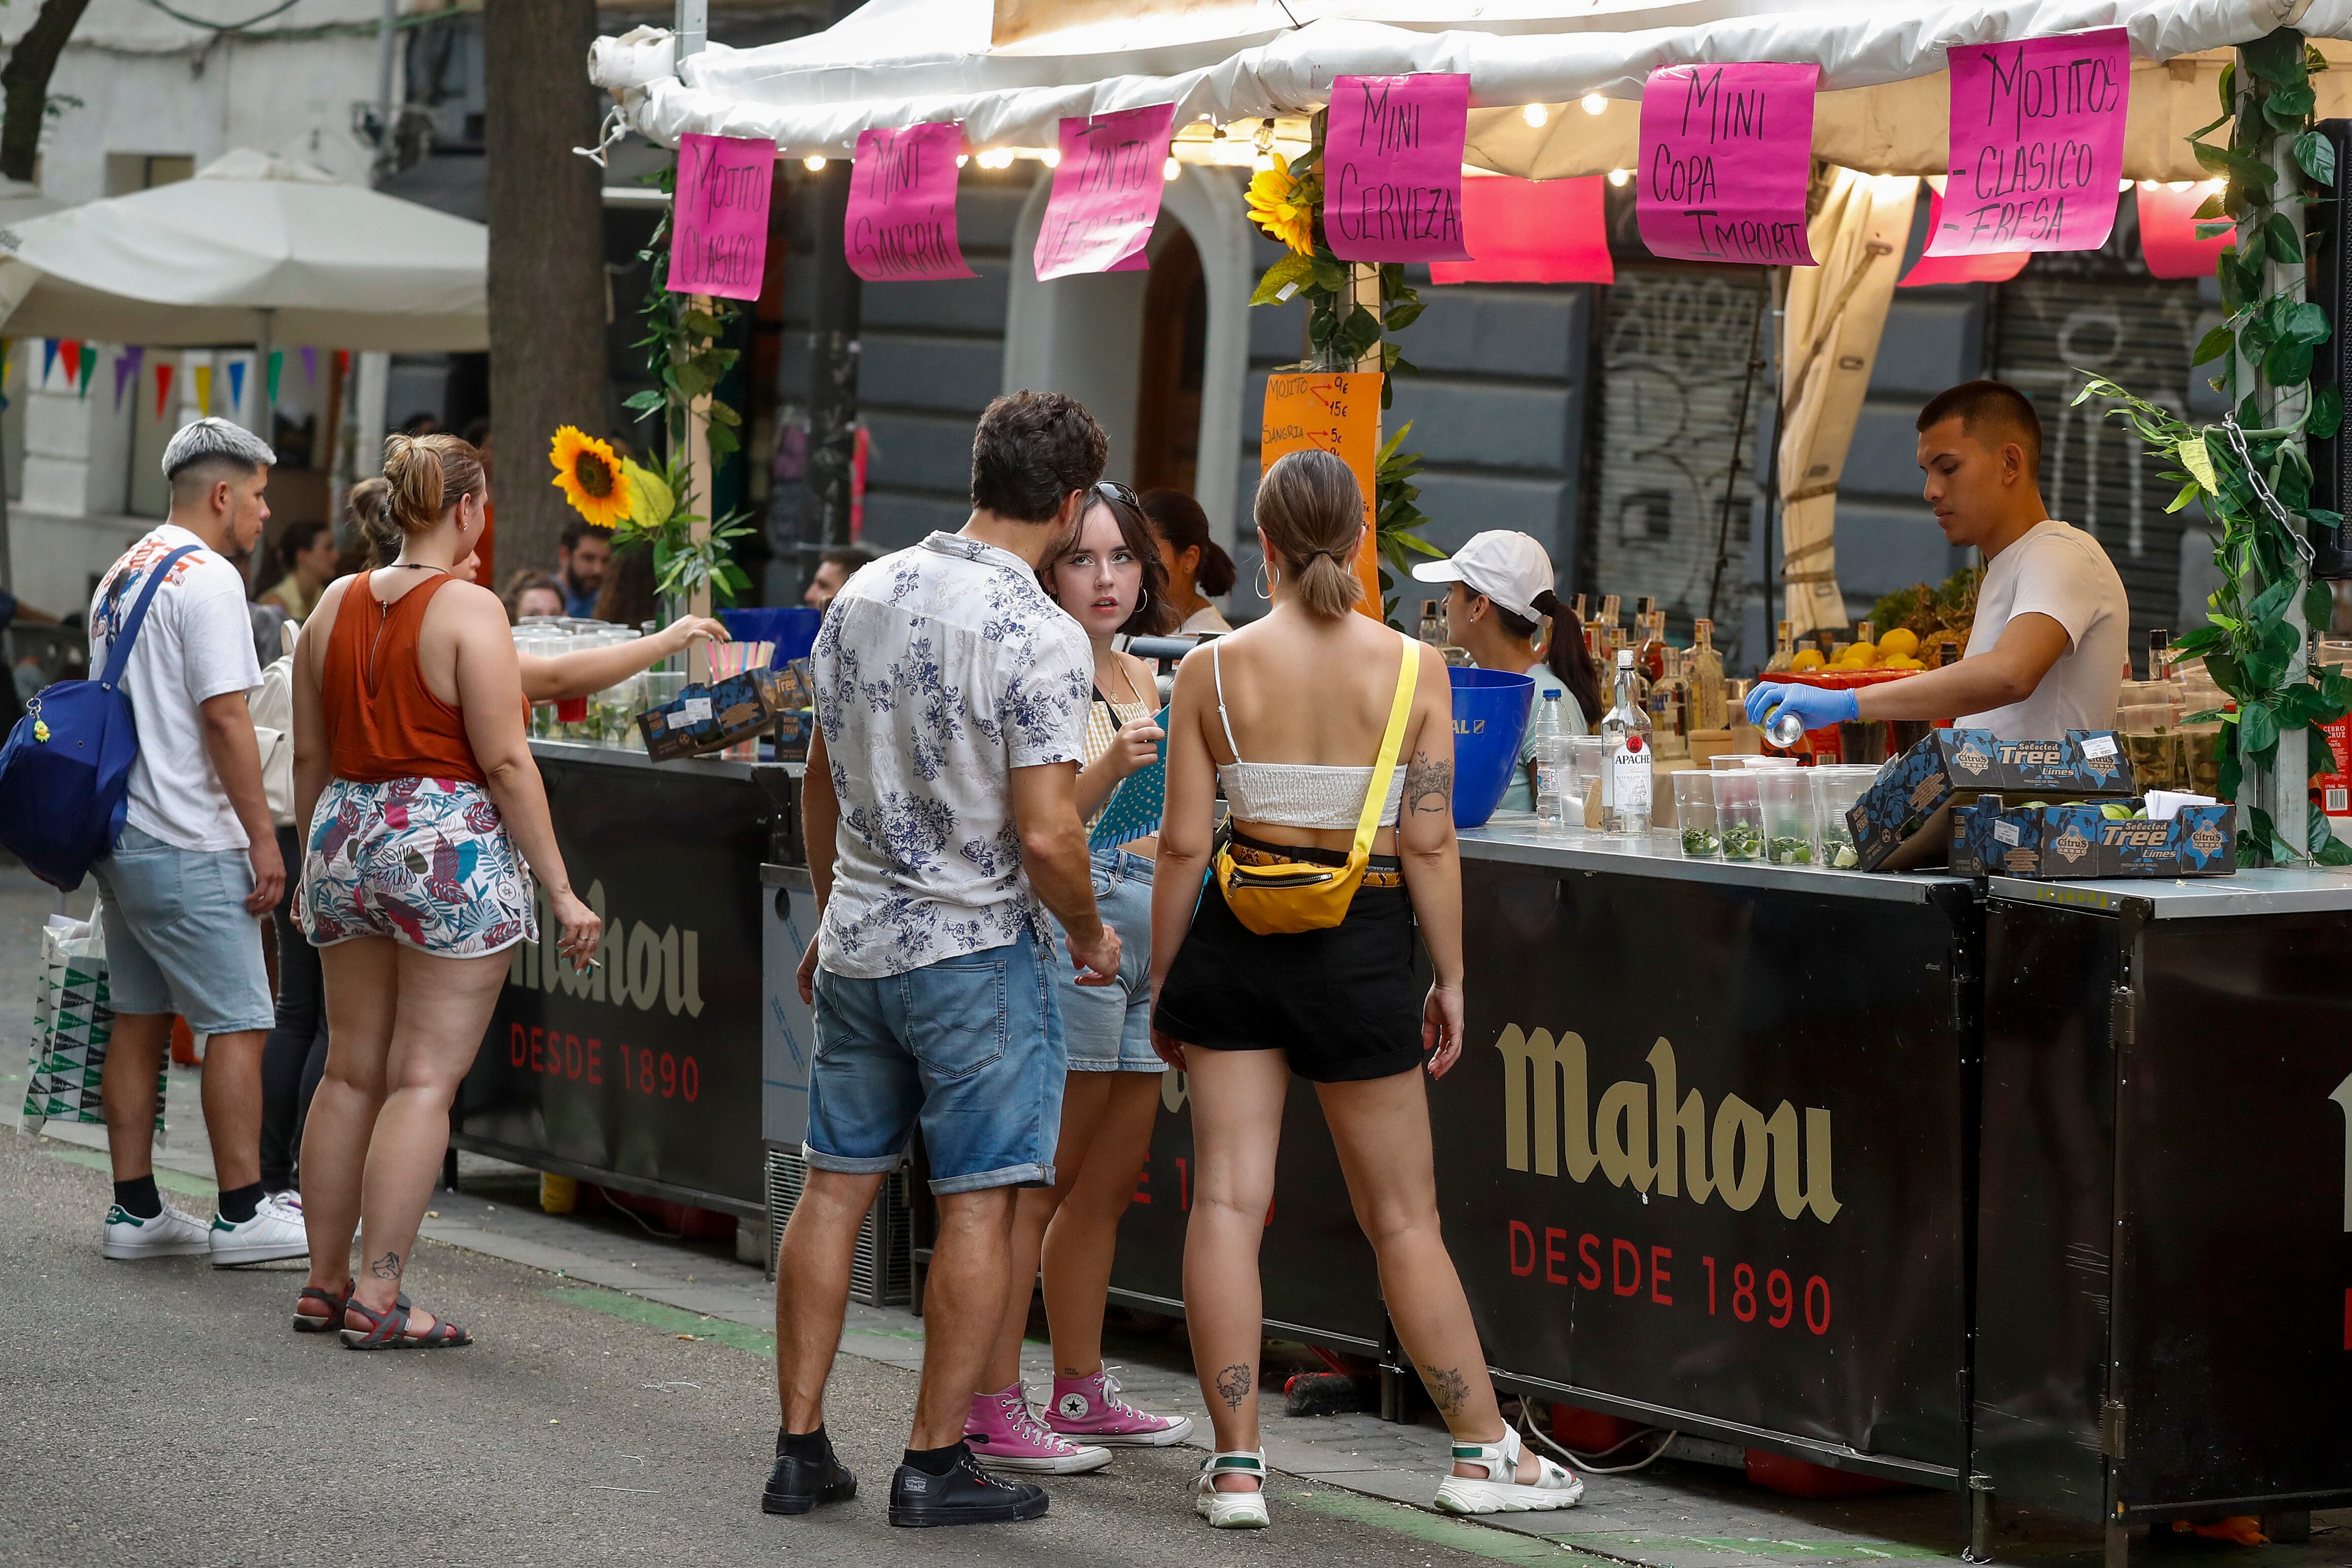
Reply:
x=2053 y=626
x=183 y=892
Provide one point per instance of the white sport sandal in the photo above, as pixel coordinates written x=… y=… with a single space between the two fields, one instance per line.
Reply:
x=1232 y=1510
x=1499 y=1490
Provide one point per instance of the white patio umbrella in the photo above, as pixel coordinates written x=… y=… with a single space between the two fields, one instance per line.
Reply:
x=256 y=249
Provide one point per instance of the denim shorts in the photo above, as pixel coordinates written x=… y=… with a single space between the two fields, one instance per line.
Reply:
x=178 y=937
x=1109 y=1027
x=970 y=1046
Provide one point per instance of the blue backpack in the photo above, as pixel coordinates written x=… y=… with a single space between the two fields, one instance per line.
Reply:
x=65 y=774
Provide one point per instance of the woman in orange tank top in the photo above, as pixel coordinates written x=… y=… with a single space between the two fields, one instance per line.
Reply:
x=425 y=822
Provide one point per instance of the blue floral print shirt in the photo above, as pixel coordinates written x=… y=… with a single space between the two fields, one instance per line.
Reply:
x=938 y=670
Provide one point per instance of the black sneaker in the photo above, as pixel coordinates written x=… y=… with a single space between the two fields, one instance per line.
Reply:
x=798 y=1485
x=965 y=1495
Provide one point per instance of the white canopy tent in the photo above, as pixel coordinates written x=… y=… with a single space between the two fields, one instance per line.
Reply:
x=254 y=249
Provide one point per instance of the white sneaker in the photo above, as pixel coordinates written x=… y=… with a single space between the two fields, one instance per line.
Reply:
x=274 y=1234
x=171 y=1234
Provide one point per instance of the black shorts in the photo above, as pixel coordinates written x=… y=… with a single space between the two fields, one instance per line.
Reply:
x=1343 y=1003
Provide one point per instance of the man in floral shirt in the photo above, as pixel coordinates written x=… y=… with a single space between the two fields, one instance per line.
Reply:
x=941 y=811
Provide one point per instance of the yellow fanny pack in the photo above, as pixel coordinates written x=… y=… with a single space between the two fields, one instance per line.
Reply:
x=1298 y=895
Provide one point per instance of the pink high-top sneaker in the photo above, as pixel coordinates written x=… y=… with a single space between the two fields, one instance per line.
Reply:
x=1090 y=1409
x=1005 y=1434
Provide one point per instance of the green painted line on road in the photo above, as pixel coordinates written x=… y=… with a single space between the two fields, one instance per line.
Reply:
x=1477 y=1541
x=169 y=1180
x=1758 y=1548
x=668 y=1318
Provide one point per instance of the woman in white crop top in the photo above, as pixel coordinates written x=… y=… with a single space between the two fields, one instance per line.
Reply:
x=1288 y=713
x=1108 y=577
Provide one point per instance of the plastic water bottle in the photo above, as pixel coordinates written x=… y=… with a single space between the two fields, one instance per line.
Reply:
x=1551 y=751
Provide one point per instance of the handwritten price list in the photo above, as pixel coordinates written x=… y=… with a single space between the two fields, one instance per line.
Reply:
x=718 y=232
x=1725 y=154
x=1106 y=194
x=2037 y=144
x=1392 y=167
x=1339 y=413
x=901 y=223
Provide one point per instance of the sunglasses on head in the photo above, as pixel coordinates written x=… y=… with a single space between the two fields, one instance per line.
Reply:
x=1117 y=492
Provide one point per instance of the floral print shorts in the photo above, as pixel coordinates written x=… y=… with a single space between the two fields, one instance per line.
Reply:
x=422 y=861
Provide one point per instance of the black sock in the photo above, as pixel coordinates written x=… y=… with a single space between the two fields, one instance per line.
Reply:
x=803 y=1445
x=238 y=1203
x=138 y=1197
x=936 y=1461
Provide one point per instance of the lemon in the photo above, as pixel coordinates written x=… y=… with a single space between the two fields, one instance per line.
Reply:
x=1902 y=642
x=1902 y=662
x=1861 y=656
x=1810 y=659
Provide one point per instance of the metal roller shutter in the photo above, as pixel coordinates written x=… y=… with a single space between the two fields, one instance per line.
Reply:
x=1674 y=354
x=2054 y=326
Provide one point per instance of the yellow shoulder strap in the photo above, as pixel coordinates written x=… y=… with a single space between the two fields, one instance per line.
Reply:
x=1391 y=742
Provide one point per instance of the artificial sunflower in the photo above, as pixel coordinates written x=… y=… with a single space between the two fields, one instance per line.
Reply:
x=589 y=475
x=1278 y=206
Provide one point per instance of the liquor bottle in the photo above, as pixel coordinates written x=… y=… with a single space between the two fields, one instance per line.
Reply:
x=1704 y=701
x=1654 y=650
x=1947 y=652
x=1630 y=769
x=1582 y=619
x=1783 y=652
x=1433 y=624
x=2159 y=655
x=1551 y=751
x=1609 y=604
x=1864 y=631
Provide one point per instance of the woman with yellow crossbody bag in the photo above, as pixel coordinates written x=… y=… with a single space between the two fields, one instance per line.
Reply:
x=1298 y=957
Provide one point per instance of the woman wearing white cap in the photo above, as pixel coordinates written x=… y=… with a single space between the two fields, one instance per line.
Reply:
x=1502 y=589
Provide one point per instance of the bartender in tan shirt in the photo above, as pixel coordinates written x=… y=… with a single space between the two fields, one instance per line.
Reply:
x=2046 y=654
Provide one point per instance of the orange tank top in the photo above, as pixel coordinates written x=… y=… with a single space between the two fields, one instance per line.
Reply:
x=383 y=721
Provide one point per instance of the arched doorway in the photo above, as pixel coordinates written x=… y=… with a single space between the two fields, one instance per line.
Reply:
x=1169 y=368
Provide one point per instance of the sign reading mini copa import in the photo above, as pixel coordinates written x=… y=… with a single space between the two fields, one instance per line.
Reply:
x=2037 y=144
x=1725 y=154
x=901 y=223
x=718 y=228
x=1392 y=167
x=1105 y=192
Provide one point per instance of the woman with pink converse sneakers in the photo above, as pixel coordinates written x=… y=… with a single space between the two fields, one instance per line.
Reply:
x=1109 y=578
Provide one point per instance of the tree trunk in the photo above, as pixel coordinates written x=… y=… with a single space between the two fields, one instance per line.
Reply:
x=547 y=293
x=26 y=80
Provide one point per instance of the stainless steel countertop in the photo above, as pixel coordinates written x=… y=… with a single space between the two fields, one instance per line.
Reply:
x=2284 y=891
x=704 y=767
x=1512 y=836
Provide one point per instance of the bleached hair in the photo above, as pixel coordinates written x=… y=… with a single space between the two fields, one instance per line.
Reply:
x=206 y=439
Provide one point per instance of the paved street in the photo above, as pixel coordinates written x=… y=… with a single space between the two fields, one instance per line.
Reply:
x=619 y=1408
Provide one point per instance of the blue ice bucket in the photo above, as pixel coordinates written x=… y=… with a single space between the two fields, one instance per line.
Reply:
x=1490 y=719
x=791 y=628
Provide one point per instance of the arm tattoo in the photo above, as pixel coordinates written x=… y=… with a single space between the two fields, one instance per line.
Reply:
x=1428 y=786
x=1447 y=1389
x=1233 y=1384
x=386 y=1267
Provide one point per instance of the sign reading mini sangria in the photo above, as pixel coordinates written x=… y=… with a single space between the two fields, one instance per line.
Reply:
x=719 y=230
x=1106 y=191
x=901 y=223
x=1392 y=167
x=2037 y=144
x=1725 y=154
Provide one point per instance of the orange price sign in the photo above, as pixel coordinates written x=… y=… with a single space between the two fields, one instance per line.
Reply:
x=1338 y=413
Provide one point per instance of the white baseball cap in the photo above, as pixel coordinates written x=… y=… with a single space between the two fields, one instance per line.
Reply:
x=1508 y=567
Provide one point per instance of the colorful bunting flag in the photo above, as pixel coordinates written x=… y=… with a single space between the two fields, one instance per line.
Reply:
x=49 y=358
x=277 y=369
x=88 y=368
x=235 y=388
x=126 y=371
x=203 y=389
x=309 y=364
x=70 y=350
x=164 y=368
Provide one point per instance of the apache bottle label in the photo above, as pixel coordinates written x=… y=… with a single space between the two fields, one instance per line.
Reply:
x=1629 y=771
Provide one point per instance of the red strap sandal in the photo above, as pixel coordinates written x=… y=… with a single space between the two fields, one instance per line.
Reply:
x=388 y=1329
x=327 y=1321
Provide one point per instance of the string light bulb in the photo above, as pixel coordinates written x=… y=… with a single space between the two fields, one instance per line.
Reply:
x=1535 y=114
x=814 y=162
x=1619 y=176
x=2148 y=186
x=1171 y=168
x=1051 y=157
x=1594 y=103
x=963 y=158
x=2122 y=185
x=2177 y=187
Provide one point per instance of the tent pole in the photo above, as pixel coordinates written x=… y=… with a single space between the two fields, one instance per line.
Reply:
x=704 y=491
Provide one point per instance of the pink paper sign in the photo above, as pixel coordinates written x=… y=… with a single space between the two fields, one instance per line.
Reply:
x=2037 y=144
x=1392 y=167
x=1991 y=267
x=1725 y=154
x=718 y=221
x=2167 y=232
x=1532 y=231
x=1106 y=191
x=901 y=223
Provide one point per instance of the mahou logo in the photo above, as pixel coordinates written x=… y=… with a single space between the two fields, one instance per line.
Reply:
x=637 y=966
x=1549 y=1122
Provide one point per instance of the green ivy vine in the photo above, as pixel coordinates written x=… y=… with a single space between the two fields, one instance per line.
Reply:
x=2251 y=470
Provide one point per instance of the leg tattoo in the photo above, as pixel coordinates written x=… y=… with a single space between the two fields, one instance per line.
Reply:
x=386 y=1267
x=1447 y=1389
x=1233 y=1384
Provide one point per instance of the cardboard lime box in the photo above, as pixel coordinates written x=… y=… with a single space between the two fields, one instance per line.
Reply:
x=1904 y=819
x=710 y=717
x=2081 y=842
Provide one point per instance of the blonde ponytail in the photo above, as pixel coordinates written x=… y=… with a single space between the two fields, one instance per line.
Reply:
x=1312 y=511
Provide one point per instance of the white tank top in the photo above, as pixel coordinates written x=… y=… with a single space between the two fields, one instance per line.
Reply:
x=1296 y=794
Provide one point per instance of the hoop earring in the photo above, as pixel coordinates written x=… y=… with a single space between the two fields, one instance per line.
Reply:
x=1264 y=590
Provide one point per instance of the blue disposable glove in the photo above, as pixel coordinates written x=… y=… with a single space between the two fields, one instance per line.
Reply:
x=1817 y=706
